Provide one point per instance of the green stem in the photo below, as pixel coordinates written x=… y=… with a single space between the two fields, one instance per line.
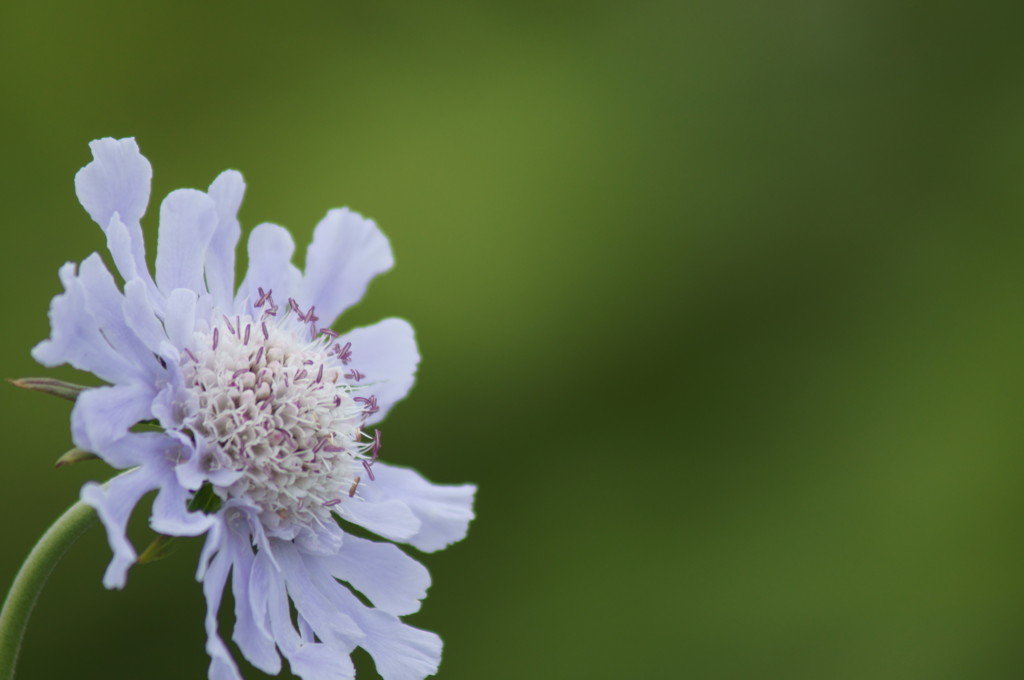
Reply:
x=21 y=598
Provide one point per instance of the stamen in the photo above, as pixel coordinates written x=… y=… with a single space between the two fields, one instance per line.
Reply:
x=266 y=334
x=228 y=322
x=320 y=374
x=216 y=337
x=376 y=444
x=331 y=503
x=344 y=353
x=248 y=327
x=370 y=404
x=352 y=489
x=259 y=355
x=366 y=465
x=191 y=356
x=355 y=375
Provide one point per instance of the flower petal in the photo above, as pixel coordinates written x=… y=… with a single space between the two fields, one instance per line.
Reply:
x=134 y=449
x=208 y=463
x=226 y=191
x=94 y=293
x=389 y=578
x=309 y=661
x=174 y=401
x=388 y=518
x=181 y=317
x=317 y=661
x=106 y=303
x=102 y=415
x=75 y=336
x=171 y=516
x=251 y=632
x=117 y=181
x=321 y=610
x=270 y=256
x=119 y=243
x=444 y=511
x=347 y=251
x=399 y=651
x=325 y=540
x=114 y=505
x=187 y=221
x=386 y=353
x=222 y=666
x=140 y=316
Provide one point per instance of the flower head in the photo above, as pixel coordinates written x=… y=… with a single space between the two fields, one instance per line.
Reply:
x=263 y=407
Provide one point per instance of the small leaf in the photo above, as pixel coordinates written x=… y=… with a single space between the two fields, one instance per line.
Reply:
x=57 y=388
x=205 y=500
x=75 y=455
x=161 y=547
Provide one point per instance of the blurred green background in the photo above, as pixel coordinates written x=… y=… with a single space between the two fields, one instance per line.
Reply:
x=719 y=304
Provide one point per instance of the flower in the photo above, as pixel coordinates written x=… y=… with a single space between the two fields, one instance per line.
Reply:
x=264 y=411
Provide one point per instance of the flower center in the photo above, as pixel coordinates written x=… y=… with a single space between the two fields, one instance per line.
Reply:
x=272 y=402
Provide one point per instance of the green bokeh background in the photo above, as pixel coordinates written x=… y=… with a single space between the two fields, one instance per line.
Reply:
x=719 y=305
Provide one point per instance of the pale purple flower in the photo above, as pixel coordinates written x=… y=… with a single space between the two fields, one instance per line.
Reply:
x=261 y=401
